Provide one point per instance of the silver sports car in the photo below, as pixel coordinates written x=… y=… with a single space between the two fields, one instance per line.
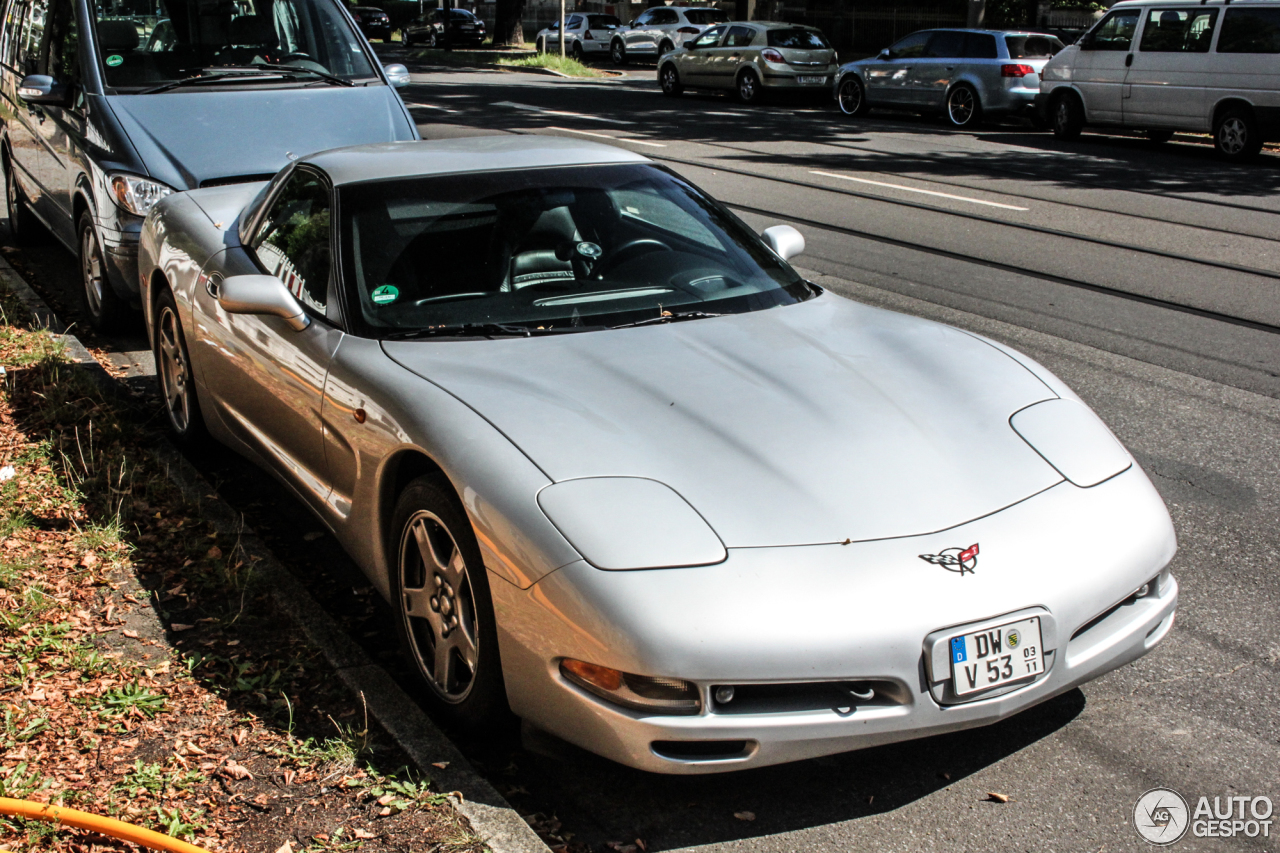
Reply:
x=619 y=468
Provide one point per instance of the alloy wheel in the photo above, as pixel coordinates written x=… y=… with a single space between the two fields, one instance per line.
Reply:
x=961 y=105
x=438 y=607
x=850 y=96
x=175 y=374
x=91 y=272
x=1233 y=136
x=670 y=81
x=747 y=89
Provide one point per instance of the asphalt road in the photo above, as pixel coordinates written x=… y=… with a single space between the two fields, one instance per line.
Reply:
x=1145 y=277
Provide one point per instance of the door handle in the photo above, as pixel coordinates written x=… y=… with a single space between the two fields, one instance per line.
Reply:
x=951 y=68
x=1128 y=60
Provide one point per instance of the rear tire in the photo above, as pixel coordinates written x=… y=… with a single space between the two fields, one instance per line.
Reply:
x=852 y=97
x=669 y=79
x=541 y=46
x=23 y=225
x=444 y=611
x=577 y=52
x=665 y=48
x=1066 y=116
x=173 y=373
x=618 y=52
x=106 y=311
x=963 y=107
x=1236 y=135
x=748 y=88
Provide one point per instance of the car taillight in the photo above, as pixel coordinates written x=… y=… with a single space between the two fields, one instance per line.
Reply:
x=771 y=55
x=693 y=31
x=586 y=34
x=1016 y=70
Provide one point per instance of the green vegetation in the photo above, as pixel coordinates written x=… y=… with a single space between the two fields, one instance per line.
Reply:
x=565 y=65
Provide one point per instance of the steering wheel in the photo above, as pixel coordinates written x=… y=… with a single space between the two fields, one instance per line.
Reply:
x=628 y=249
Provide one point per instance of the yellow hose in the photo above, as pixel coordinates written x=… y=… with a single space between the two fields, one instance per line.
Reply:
x=104 y=825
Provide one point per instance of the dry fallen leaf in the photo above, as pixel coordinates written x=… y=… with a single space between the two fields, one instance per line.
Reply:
x=177 y=627
x=235 y=771
x=287 y=847
x=745 y=815
x=997 y=798
x=364 y=833
x=441 y=764
x=89 y=560
x=215 y=552
x=132 y=635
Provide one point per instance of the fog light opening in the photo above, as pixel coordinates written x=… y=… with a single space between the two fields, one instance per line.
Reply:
x=723 y=694
x=654 y=695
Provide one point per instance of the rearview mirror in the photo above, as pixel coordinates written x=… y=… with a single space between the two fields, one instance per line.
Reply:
x=42 y=89
x=397 y=74
x=785 y=241
x=262 y=294
x=886 y=54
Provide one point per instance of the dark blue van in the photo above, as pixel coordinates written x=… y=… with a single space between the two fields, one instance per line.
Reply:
x=110 y=105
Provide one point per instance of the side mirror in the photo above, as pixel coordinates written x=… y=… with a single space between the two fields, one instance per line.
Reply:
x=397 y=74
x=1086 y=41
x=42 y=89
x=262 y=294
x=785 y=241
x=886 y=54
x=690 y=44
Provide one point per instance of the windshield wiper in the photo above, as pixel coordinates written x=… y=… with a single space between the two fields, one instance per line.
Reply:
x=668 y=317
x=244 y=74
x=478 y=330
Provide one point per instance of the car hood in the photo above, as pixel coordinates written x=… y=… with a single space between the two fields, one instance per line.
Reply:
x=188 y=138
x=819 y=422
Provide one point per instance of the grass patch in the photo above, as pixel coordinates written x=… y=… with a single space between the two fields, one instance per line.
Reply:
x=565 y=65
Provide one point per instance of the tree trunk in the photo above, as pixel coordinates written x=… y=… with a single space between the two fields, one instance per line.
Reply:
x=507 y=31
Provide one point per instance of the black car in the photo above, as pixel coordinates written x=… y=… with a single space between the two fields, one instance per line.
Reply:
x=373 y=22
x=464 y=28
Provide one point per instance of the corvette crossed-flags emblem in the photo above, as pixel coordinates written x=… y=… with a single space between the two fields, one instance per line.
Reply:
x=962 y=561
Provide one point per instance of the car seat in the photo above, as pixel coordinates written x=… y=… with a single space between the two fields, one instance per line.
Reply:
x=249 y=37
x=538 y=259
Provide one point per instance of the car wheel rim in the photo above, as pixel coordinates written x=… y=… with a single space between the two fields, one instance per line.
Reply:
x=91 y=270
x=174 y=375
x=668 y=80
x=960 y=106
x=747 y=88
x=438 y=607
x=617 y=53
x=11 y=199
x=850 y=97
x=1233 y=136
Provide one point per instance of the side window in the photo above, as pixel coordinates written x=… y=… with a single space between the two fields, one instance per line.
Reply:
x=13 y=24
x=740 y=37
x=666 y=16
x=573 y=23
x=710 y=38
x=1250 y=30
x=61 y=58
x=911 y=47
x=32 y=38
x=946 y=44
x=1114 y=33
x=980 y=46
x=293 y=240
x=643 y=20
x=1178 y=30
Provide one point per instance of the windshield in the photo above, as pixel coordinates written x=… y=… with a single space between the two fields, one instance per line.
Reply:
x=798 y=39
x=705 y=17
x=1032 y=47
x=550 y=249
x=148 y=43
x=462 y=15
x=606 y=21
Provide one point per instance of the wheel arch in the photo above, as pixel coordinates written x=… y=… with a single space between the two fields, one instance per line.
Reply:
x=1069 y=91
x=1226 y=103
x=400 y=469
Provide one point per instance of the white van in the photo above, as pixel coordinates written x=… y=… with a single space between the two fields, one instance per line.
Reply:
x=1191 y=65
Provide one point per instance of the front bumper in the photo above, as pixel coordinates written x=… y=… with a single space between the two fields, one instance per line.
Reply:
x=834 y=613
x=119 y=233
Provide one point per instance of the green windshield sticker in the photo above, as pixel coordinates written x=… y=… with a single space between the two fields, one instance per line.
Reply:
x=386 y=294
x=114 y=59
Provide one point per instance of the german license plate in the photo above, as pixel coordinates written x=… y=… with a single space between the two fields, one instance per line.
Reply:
x=468 y=26
x=991 y=657
x=811 y=81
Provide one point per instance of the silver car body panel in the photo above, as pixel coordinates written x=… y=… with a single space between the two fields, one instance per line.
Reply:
x=806 y=456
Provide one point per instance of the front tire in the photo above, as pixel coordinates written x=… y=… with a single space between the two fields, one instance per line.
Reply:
x=444 y=610
x=665 y=48
x=852 y=97
x=1236 y=135
x=964 y=108
x=173 y=373
x=577 y=51
x=23 y=225
x=106 y=311
x=542 y=46
x=1066 y=116
x=669 y=79
x=618 y=53
x=748 y=88
x=432 y=39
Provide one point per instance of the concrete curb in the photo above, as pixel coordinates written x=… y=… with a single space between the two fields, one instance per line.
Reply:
x=491 y=816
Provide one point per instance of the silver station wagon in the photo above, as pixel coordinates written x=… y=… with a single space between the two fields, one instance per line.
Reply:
x=750 y=59
x=965 y=74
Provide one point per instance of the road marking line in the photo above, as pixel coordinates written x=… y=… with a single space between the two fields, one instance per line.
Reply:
x=533 y=109
x=916 y=190
x=608 y=137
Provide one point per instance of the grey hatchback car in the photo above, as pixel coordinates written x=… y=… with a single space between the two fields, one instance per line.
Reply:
x=107 y=106
x=965 y=74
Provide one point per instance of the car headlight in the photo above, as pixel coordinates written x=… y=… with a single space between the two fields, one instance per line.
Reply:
x=637 y=692
x=1071 y=438
x=138 y=195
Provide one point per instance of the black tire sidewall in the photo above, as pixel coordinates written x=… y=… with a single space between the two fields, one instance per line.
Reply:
x=676 y=88
x=114 y=312
x=737 y=88
x=196 y=434
x=486 y=704
x=1075 y=123
x=1253 y=140
x=862 y=96
x=618 y=53
x=974 y=117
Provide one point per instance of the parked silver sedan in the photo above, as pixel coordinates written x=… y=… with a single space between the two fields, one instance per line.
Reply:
x=615 y=464
x=750 y=59
x=964 y=74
